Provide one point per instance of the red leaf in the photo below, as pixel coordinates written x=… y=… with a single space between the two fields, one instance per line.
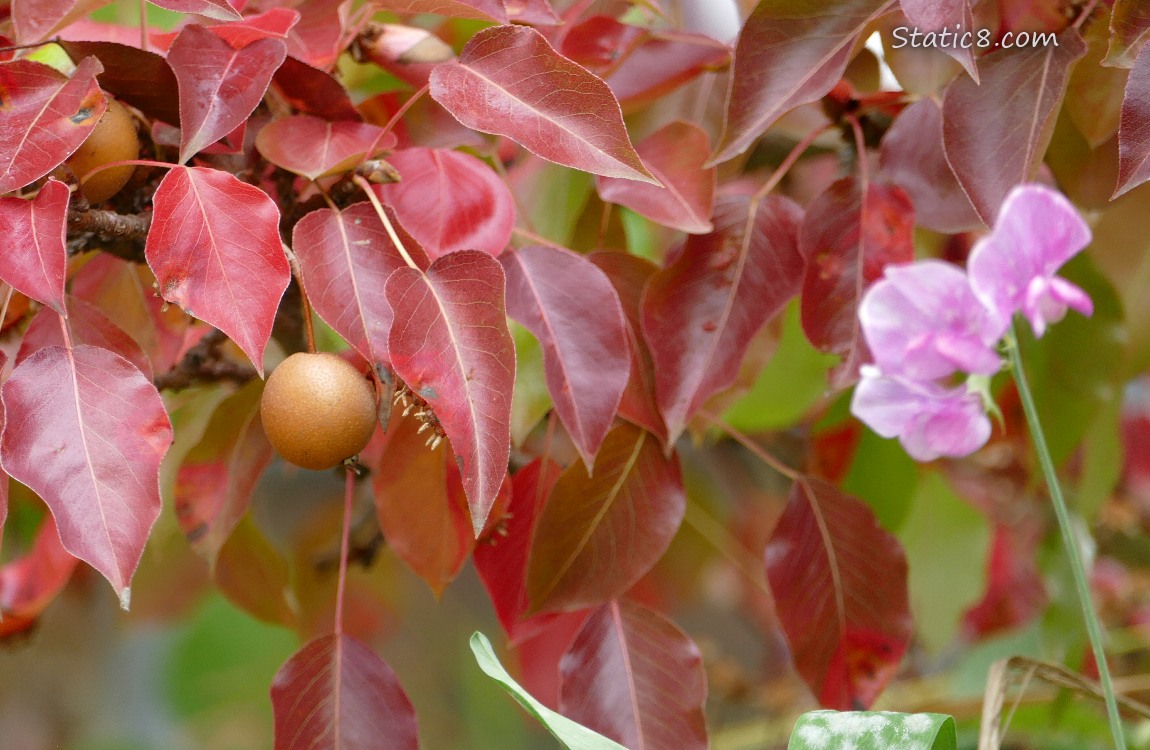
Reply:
x=600 y=533
x=996 y=133
x=86 y=431
x=538 y=12
x=450 y=344
x=788 y=55
x=421 y=505
x=840 y=587
x=274 y=22
x=509 y=81
x=1134 y=131
x=140 y=78
x=33 y=20
x=218 y=476
x=936 y=16
x=1015 y=590
x=629 y=275
x=675 y=154
x=314 y=92
x=219 y=85
x=29 y=583
x=215 y=248
x=123 y=291
x=221 y=10
x=347 y=257
x=701 y=312
x=483 y=10
x=639 y=64
x=46 y=117
x=88 y=325
x=474 y=210
x=912 y=156
x=502 y=560
x=634 y=677
x=572 y=309
x=850 y=233
x=314 y=148
x=318 y=37
x=34 y=256
x=336 y=694
x=1129 y=27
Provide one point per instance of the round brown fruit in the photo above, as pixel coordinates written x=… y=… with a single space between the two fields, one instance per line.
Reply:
x=113 y=139
x=318 y=410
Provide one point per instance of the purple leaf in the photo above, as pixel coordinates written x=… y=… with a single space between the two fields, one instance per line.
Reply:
x=511 y=82
x=34 y=256
x=572 y=309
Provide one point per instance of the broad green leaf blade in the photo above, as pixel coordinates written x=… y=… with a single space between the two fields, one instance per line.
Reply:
x=573 y=736
x=873 y=730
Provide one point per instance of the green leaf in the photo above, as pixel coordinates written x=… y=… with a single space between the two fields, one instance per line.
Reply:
x=573 y=735
x=873 y=730
x=946 y=542
x=530 y=401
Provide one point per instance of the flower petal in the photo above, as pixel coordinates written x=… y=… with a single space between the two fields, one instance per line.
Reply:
x=1036 y=232
x=922 y=320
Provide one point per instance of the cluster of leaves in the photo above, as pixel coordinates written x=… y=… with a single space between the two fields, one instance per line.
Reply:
x=418 y=220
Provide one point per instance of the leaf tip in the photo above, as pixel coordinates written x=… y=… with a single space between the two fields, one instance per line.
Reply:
x=126 y=598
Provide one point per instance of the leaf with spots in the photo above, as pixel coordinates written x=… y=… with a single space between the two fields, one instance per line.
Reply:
x=215 y=248
x=700 y=313
x=850 y=233
x=633 y=676
x=450 y=344
x=86 y=431
x=600 y=532
x=45 y=117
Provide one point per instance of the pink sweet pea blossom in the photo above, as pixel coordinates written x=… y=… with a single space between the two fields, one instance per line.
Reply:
x=929 y=420
x=922 y=321
x=1012 y=268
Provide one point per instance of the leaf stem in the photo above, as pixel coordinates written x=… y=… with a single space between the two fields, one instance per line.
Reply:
x=536 y=238
x=365 y=186
x=344 y=546
x=784 y=167
x=411 y=100
x=1066 y=528
x=144 y=25
x=755 y=449
x=7 y=301
x=305 y=303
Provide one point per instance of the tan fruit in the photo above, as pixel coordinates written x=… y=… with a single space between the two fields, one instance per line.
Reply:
x=318 y=410
x=113 y=139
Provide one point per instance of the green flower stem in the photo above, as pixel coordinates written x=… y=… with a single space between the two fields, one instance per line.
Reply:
x=1069 y=540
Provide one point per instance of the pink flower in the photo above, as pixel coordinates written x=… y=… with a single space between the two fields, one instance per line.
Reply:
x=922 y=321
x=929 y=420
x=1012 y=268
